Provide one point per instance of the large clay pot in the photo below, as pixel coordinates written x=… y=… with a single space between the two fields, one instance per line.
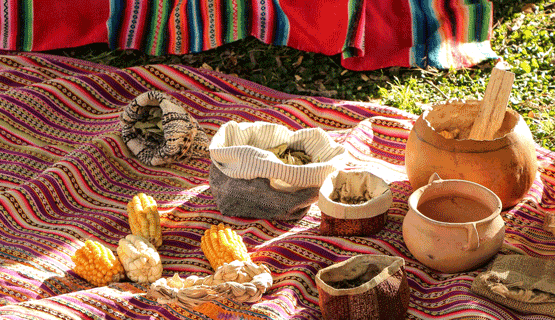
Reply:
x=506 y=165
x=458 y=234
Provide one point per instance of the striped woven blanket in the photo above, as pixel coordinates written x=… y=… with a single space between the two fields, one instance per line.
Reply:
x=66 y=176
x=370 y=34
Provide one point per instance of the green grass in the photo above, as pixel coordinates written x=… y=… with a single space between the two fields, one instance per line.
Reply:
x=525 y=39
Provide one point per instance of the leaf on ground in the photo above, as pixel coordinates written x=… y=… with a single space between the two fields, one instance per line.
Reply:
x=529 y=8
x=253 y=60
x=344 y=71
x=518 y=22
x=298 y=78
x=503 y=65
x=298 y=62
x=278 y=61
x=233 y=60
x=323 y=93
x=364 y=77
x=525 y=66
x=206 y=66
x=382 y=77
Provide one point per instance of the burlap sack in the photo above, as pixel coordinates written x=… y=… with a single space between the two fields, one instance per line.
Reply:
x=364 y=287
x=523 y=283
x=181 y=136
x=247 y=180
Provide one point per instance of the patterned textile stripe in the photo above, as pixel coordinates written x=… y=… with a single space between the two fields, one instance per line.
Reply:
x=271 y=25
x=127 y=23
x=418 y=51
x=25 y=22
x=354 y=42
x=237 y=20
x=211 y=17
x=282 y=25
x=114 y=22
x=16 y=25
x=196 y=31
x=158 y=22
x=178 y=37
x=8 y=25
x=66 y=176
x=457 y=31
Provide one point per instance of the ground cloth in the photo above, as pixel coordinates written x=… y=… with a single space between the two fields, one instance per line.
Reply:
x=370 y=34
x=66 y=176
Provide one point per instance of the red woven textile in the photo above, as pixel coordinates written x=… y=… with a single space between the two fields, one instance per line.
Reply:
x=369 y=34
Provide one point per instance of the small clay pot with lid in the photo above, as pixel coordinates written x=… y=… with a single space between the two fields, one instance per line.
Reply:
x=438 y=143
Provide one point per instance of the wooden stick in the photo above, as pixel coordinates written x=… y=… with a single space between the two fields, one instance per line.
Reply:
x=494 y=105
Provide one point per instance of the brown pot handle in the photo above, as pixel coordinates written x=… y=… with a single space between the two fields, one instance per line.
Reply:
x=473 y=237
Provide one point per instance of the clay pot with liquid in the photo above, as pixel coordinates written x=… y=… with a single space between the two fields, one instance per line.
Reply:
x=453 y=225
x=507 y=165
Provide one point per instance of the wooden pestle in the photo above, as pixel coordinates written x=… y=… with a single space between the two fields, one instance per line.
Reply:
x=494 y=105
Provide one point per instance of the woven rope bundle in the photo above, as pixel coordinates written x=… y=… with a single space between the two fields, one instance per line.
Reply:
x=241 y=281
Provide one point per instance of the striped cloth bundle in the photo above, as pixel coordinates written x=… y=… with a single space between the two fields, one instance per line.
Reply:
x=369 y=34
x=66 y=176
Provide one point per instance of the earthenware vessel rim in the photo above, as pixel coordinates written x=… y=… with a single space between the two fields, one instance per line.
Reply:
x=415 y=197
x=427 y=134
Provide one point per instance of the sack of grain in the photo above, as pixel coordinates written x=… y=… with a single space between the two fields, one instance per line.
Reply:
x=266 y=171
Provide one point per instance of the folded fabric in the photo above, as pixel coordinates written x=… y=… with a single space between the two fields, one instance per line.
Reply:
x=523 y=283
x=158 y=130
x=369 y=34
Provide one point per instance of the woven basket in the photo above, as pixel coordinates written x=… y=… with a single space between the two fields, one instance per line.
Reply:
x=364 y=219
x=383 y=293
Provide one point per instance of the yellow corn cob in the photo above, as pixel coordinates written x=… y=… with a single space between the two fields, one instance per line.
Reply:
x=97 y=264
x=144 y=219
x=222 y=245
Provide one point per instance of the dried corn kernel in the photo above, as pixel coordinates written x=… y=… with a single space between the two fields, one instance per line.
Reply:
x=144 y=218
x=97 y=264
x=222 y=245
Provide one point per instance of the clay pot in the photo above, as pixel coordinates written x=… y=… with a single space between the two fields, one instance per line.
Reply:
x=506 y=165
x=360 y=219
x=457 y=235
x=364 y=287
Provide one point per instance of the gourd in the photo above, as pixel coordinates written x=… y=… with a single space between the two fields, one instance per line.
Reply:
x=144 y=219
x=222 y=245
x=140 y=259
x=506 y=165
x=97 y=264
